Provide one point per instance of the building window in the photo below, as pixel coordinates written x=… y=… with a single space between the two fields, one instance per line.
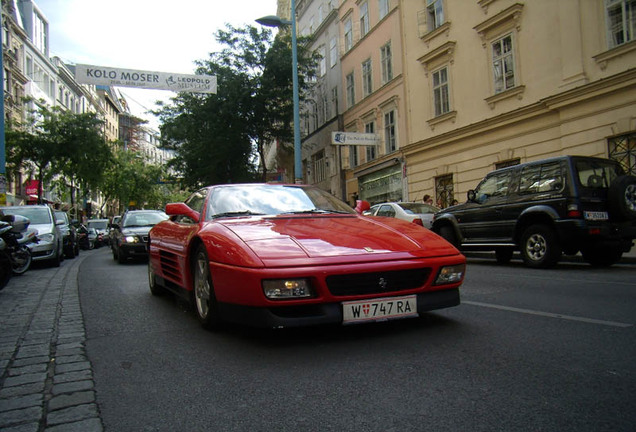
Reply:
x=333 y=51
x=348 y=35
x=322 y=65
x=319 y=166
x=390 y=139
x=623 y=150
x=435 y=14
x=621 y=21
x=334 y=100
x=353 y=156
x=364 y=19
x=371 y=150
x=507 y=163
x=440 y=92
x=444 y=193
x=503 y=64
x=387 y=63
x=351 y=94
x=367 y=79
x=383 y=7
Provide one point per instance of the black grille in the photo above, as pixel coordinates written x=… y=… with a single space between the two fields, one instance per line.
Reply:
x=377 y=282
x=169 y=265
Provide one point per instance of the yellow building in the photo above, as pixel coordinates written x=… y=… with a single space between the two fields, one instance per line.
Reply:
x=491 y=83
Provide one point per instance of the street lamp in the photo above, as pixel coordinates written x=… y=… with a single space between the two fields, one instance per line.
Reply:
x=274 y=21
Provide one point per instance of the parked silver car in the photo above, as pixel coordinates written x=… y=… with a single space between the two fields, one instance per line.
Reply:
x=50 y=245
x=419 y=213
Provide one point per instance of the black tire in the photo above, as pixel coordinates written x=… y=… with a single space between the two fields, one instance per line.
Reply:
x=155 y=289
x=5 y=269
x=504 y=255
x=21 y=260
x=602 y=256
x=76 y=248
x=121 y=257
x=622 y=198
x=448 y=234
x=203 y=298
x=540 y=247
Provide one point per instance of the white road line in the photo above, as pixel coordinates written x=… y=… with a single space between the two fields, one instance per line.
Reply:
x=550 y=315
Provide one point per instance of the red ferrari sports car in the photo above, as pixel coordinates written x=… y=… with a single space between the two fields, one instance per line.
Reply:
x=274 y=255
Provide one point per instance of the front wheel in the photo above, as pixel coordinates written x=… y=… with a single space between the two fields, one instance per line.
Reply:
x=155 y=288
x=21 y=260
x=448 y=234
x=540 y=247
x=203 y=291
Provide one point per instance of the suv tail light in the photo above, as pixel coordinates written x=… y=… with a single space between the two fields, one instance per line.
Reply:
x=418 y=221
x=574 y=212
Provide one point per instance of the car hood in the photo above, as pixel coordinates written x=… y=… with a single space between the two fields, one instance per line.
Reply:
x=348 y=238
x=42 y=228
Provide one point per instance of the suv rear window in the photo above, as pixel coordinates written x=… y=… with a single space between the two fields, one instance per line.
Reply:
x=597 y=174
x=541 y=178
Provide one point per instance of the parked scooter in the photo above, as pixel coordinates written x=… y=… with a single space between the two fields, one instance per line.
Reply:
x=17 y=238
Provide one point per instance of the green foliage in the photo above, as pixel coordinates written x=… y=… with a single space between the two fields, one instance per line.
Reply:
x=58 y=142
x=219 y=138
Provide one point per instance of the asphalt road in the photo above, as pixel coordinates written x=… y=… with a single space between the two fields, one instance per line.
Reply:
x=528 y=350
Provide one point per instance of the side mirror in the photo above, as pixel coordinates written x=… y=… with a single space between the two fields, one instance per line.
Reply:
x=362 y=206
x=181 y=209
x=471 y=196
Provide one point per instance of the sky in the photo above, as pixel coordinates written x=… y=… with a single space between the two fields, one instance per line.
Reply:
x=153 y=35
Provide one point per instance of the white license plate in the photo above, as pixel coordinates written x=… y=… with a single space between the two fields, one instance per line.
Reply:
x=596 y=215
x=379 y=309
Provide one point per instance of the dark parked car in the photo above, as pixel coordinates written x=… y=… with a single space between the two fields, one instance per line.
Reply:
x=545 y=208
x=70 y=238
x=130 y=235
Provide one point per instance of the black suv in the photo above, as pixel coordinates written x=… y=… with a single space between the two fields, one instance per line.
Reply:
x=545 y=208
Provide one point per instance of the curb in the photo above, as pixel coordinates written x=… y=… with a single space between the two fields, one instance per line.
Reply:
x=46 y=378
x=628 y=258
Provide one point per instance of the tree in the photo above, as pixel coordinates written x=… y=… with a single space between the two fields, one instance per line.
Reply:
x=219 y=138
x=132 y=181
x=58 y=142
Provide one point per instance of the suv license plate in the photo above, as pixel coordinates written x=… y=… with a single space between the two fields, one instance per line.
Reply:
x=379 y=309
x=596 y=215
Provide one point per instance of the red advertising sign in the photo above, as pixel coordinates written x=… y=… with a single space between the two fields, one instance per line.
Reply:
x=32 y=187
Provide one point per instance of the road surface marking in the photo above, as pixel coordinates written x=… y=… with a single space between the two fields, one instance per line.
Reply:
x=550 y=315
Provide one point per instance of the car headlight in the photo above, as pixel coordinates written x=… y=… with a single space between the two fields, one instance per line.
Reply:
x=450 y=274
x=47 y=237
x=287 y=289
x=131 y=239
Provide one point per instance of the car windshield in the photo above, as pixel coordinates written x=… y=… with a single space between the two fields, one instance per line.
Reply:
x=419 y=208
x=36 y=215
x=100 y=225
x=144 y=219
x=246 y=200
x=597 y=174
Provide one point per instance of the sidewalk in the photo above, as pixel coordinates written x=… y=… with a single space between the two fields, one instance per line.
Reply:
x=46 y=380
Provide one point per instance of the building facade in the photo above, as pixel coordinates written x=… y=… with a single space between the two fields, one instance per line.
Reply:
x=321 y=113
x=492 y=83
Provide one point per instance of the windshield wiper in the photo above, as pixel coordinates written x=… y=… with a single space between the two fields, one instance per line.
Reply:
x=315 y=211
x=237 y=213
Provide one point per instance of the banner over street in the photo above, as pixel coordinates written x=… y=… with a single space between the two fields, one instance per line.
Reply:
x=102 y=75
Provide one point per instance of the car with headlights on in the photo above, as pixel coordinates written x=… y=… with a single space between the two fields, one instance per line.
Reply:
x=50 y=245
x=418 y=213
x=276 y=255
x=130 y=235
